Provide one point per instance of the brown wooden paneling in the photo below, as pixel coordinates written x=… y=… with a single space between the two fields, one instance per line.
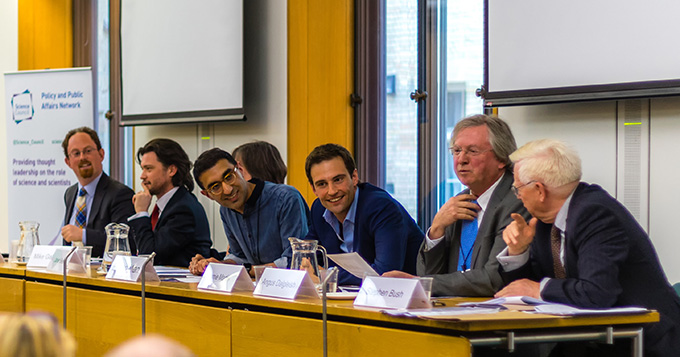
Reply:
x=320 y=81
x=45 y=34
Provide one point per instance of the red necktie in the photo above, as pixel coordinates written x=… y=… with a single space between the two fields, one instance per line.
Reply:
x=154 y=216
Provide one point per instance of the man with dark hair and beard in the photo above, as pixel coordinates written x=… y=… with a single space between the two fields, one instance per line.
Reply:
x=96 y=200
x=177 y=229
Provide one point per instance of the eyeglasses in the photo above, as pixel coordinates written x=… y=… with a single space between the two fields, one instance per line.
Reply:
x=76 y=154
x=515 y=190
x=457 y=151
x=229 y=179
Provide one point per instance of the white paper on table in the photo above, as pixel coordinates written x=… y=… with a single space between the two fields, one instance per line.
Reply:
x=441 y=312
x=566 y=310
x=510 y=300
x=354 y=264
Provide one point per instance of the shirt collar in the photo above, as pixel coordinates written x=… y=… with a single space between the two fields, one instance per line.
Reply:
x=91 y=187
x=561 y=219
x=484 y=198
x=257 y=192
x=351 y=213
x=163 y=201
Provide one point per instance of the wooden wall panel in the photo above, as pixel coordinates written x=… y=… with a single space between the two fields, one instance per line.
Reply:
x=320 y=81
x=45 y=34
x=12 y=295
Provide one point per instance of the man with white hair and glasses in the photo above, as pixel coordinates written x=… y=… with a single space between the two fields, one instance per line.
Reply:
x=582 y=248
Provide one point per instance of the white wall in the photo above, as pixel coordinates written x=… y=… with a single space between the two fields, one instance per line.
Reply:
x=592 y=129
x=266 y=85
x=9 y=54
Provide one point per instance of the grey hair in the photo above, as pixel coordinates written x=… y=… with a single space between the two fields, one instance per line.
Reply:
x=500 y=136
x=550 y=161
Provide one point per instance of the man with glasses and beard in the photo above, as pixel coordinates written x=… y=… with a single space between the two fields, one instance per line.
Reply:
x=258 y=216
x=96 y=200
x=177 y=228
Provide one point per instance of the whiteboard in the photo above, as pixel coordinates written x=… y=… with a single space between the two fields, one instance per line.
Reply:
x=181 y=60
x=550 y=51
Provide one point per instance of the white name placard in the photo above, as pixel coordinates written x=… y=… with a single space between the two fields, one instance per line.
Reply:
x=391 y=293
x=42 y=255
x=129 y=268
x=286 y=284
x=225 y=277
x=75 y=263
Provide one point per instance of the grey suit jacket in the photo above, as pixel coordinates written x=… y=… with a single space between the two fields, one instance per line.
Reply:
x=483 y=279
x=112 y=202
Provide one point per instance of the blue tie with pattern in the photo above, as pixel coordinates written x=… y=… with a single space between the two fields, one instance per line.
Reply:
x=81 y=217
x=468 y=234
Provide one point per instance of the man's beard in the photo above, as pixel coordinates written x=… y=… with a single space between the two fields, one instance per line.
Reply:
x=86 y=172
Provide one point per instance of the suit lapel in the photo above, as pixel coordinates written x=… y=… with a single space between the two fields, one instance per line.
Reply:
x=98 y=198
x=489 y=214
x=71 y=194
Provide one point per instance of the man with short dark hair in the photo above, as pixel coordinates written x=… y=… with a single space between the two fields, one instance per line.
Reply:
x=96 y=200
x=349 y=216
x=178 y=227
x=258 y=216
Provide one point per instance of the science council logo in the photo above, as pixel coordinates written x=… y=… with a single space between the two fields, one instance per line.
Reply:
x=22 y=106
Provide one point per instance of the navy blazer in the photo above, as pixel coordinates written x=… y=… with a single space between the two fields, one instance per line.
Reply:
x=385 y=235
x=182 y=231
x=609 y=261
x=112 y=202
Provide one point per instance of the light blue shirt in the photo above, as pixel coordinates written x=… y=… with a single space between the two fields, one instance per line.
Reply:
x=90 y=188
x=347 y=239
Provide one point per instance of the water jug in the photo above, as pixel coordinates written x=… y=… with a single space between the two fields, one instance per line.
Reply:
x=117 y=243
x=29 y=239
x=304 y=256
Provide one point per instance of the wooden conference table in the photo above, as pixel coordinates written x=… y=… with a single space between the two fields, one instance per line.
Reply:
x=103 y=313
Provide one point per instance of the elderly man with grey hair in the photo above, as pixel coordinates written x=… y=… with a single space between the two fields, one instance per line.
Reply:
x=460 y=248
x=583 y=248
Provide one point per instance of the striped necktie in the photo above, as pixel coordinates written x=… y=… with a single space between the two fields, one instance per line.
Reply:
x=81 y=204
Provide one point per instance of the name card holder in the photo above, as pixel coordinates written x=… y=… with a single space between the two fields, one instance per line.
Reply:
x=74 y=264
x=41 y=256
x=226 y=278
x=392 y=293
x=129 y=268
x=286 y=284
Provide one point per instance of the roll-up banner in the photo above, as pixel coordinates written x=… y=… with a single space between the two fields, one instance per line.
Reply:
x=42 y=106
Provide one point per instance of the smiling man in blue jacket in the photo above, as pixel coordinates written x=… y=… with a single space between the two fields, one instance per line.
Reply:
x=349 y=216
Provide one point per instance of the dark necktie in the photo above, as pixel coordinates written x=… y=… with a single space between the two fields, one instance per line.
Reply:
x=555 y=245
x=154 y=216
x=81 y=204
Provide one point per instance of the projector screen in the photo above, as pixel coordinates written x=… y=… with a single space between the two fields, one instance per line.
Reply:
x=181 y=61
x=540 y=51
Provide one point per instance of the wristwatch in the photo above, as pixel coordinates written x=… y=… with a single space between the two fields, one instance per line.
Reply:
x=248 y=266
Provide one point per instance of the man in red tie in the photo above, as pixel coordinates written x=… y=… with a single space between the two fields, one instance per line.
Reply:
x=96 y=199
x=583 y=248
x=177 y=228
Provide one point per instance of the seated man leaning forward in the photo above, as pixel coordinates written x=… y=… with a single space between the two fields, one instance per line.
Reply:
x=178 y=228
x=258 y=216
x=349 y=216
x=460 y=247
x=583 y=248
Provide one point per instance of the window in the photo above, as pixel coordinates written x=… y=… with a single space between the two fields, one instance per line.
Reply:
x=434 y=47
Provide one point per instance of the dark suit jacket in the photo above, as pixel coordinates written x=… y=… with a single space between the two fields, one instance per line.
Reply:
x=385 y=235
x=112 y=202
x=182 y=231
x=609 y=261
x=441 y=262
